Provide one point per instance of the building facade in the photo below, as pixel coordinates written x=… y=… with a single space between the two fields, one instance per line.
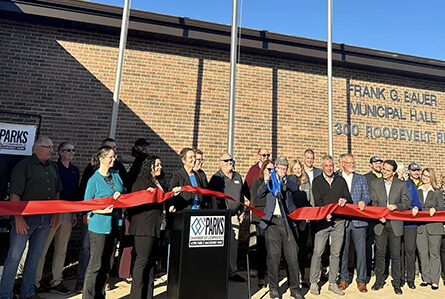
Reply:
x=58 y=60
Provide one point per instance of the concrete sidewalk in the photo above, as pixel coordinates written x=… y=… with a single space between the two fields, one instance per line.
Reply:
x=121 y=289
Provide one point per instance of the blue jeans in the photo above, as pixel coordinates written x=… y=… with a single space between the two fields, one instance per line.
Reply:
x=37 y=233
x=359 y=238
x=84 y=254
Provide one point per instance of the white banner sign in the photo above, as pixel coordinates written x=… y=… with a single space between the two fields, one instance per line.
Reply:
x=207 y=231
x=17 y=139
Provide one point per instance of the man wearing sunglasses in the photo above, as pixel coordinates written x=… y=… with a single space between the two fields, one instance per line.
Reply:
x=69 y=176
x=227 y=181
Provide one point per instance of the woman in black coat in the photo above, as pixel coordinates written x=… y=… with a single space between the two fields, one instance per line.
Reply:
x=145 y=224
x=186 y=176
x=259 y=254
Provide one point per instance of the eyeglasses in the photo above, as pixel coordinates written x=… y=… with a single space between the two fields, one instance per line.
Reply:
x=227 y=160
x=426 y=175
x=197 y=159
x=69 y=150
x=265 y=155
x=47 y=146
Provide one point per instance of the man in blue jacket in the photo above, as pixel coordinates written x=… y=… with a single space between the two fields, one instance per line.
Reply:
x=279 y=229
x=358 y=187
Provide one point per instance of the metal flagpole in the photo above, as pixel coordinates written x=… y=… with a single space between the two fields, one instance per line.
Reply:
x=120 y=62
x=331 y=141
x=233 y=54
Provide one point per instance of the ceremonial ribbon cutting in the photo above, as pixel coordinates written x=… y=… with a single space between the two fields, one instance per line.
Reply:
x=157 y=196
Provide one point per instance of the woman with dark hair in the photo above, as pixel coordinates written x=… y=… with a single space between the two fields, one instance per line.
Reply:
x=139 y=151
x=145 y=227
x=259 y=251
x=186 y=176
x=103 y=223
x=429 y=234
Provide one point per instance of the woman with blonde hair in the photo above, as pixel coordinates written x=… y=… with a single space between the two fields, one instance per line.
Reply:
x=296 y=169
x=429 y=234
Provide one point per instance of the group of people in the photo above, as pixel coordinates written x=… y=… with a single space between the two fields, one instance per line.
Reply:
x=276 y=187
x=387 y=185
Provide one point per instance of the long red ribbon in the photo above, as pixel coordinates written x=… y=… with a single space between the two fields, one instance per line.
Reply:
x=157 y=196
x=317 y=213
x=124 y=201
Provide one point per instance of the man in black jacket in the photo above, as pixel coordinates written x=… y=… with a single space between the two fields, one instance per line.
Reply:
x=328 y=188
x=228 y=181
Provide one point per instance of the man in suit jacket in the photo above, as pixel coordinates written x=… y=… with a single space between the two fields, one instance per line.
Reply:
x=328 y=188
x=279 y=229
x=358 y=187
x=308 y=161
x=391 y=193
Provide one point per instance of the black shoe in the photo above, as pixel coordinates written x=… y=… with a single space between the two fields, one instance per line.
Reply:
x=411 y=285
x=60 y=289
x=398 y=291
x=434 y=287
x=424 y=284
x=377 y=286
x=237 y=278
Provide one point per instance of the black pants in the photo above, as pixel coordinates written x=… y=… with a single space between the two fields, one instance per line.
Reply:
x=259 y=253
x=143 y=270
x=442 y=256
x=303 y=236
x=102 y=248
x=280 y=236
x=408 y=258
x=381 y=242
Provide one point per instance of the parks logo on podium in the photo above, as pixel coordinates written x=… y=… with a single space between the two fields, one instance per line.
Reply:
x=207 y=231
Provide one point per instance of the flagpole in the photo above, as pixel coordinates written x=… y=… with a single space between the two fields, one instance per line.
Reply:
x=329 y=61
x=233 y=57
x=120 y=62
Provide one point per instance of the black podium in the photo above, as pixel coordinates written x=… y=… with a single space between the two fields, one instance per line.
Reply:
x=199 y=255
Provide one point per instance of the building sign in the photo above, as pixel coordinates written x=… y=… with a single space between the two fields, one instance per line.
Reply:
x=17 y=139
x=421 y=112
x=207 y=231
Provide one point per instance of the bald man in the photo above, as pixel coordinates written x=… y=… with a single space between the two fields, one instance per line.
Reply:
x=228 y=181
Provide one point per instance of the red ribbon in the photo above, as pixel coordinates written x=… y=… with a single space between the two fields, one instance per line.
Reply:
x=158 y=196
x=124 y=201
x=317 y=213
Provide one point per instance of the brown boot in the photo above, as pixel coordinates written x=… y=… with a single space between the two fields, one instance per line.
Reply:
x=343 y=285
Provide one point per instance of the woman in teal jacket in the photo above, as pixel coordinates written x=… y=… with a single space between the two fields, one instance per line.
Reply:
x=102 y=225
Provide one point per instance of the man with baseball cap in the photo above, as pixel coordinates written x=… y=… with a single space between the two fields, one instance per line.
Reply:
x=414 y=174
x=376 y=169
x=278 y=189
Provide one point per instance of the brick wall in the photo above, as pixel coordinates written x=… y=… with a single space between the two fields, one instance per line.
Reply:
x=176 y=95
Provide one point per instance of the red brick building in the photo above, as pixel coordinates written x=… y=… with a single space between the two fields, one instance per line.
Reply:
x=58 y=60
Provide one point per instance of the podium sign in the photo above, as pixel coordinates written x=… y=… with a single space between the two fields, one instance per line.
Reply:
x=199 y=255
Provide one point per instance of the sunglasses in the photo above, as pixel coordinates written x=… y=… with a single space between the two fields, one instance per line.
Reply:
x=227 y=160
x=69 y=150
x=265 y=155
x=270 y=169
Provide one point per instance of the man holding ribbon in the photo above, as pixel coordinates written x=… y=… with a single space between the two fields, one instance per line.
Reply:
x=34 y=178
x=391 y=193
x=228 y=181
x=328 y=188
x=279 y=229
